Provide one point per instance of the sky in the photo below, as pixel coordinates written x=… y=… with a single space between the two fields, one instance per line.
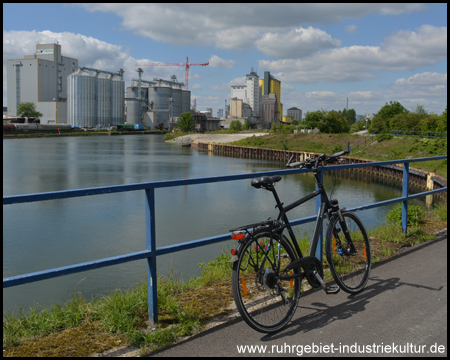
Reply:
x=323 y=54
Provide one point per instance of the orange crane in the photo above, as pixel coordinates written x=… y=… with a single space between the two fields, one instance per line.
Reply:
x=187 y=65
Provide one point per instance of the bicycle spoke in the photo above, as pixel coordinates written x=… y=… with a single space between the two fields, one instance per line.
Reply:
x=348 y=258
x=265 y=302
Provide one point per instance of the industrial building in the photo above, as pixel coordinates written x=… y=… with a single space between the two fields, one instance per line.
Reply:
x=270 y=85
x=295 y=113
x=157 y=104
x=95 y=97
x=68 y=94
x=41 y=78
x=258 y=100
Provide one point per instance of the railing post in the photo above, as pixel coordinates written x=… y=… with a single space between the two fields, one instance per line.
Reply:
x=151 y=261
x=405 y=190
x=318 y=203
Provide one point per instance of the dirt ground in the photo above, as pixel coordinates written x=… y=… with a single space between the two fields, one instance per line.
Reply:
x=215 y=138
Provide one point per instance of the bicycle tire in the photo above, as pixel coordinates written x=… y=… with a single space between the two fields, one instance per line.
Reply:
x=257 y=290
x=350 y=270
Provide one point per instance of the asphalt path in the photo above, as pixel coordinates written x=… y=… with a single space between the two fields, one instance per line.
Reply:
x=402 y=312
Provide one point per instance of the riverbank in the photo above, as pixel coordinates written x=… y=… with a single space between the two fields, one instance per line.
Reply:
x=382 y=149
x=196 y=138
x=118 y=322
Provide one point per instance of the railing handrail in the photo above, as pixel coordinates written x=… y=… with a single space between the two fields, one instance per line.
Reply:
x=412 y=133
x=65 y=194
x=152 y=251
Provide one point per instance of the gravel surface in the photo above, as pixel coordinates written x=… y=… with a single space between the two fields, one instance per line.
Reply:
x=215 y=138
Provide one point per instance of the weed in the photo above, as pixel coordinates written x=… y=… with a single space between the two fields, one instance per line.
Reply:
x=415 y=214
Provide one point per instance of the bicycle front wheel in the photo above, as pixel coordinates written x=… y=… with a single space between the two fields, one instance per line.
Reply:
x=265 y=301
x=348 y=255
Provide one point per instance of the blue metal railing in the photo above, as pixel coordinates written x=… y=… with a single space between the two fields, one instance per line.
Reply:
x=419 y=134
x=152 y=252
x=367 y=140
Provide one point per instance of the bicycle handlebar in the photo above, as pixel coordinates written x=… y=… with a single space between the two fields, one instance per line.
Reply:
x=309 y=163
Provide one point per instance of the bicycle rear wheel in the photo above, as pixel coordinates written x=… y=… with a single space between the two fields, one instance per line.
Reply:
x=265 y=302
x=349 y=266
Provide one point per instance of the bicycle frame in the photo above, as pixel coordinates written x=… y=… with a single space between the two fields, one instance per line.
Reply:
x=324 y=208
x=264 y=242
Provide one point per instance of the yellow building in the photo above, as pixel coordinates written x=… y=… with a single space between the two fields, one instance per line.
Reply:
x=271 y=85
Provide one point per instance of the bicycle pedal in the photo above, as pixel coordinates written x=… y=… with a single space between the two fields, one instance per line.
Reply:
x=334 y=289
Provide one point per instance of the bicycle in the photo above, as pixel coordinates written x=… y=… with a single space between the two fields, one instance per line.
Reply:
x=268 y=268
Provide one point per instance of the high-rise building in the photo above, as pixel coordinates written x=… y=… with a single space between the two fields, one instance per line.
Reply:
x=270 y=85
x=250 y=93
x=41 y=78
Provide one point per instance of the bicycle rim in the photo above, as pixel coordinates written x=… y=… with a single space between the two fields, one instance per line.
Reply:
x=264 y=301
x=350 y=269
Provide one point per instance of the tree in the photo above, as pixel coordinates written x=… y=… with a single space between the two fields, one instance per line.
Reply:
x=186 y=122
x=387 y=112
x=312 y=119
x=235 y=126
x=351 y=116
x=408 y=121
x=420 y=110
x=334 y=123
x=28 y=109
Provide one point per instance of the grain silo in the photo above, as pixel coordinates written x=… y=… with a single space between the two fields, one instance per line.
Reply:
x=176 y=104
x=81 y=99
x=104 y=103
x=95 y=97
x=159 y=101
x=133 y=106
x=117 y=101
x=185 y=101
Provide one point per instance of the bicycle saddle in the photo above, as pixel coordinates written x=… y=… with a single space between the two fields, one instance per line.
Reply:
x=265 y=181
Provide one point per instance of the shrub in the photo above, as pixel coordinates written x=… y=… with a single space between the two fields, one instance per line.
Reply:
x=415 y=214
x=235 y=126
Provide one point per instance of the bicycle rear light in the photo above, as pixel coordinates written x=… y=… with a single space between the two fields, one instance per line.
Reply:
x=238 y=235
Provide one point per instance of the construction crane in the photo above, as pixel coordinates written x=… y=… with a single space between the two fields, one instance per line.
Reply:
x=187 y=65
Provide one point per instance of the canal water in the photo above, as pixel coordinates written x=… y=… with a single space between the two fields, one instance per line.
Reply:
x=48 y=234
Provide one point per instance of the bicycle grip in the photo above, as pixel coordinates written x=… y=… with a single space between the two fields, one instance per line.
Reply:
x=296 y=164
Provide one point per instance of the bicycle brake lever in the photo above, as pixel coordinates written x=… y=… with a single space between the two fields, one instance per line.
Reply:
x=289 y=161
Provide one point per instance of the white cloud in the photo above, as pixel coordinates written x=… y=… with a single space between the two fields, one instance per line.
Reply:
x=295 y=43
x=425 y=78
x=89 y=51
x=234 y=25
x=351 y=28
x=195 y=87
x=405 y=50
x=217 y=62
x=427 y=89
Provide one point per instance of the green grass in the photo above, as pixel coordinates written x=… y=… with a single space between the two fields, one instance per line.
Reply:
x=390 y=149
